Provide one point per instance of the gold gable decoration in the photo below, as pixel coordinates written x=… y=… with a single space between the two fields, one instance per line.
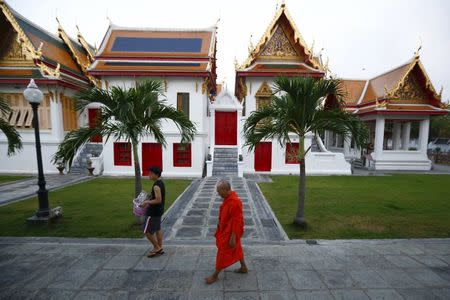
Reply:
x=410 y=90
x=298 y=39
x=279 y=45
x=15 y=55
x=27 y=47
x=264 y=90
x=263 y=95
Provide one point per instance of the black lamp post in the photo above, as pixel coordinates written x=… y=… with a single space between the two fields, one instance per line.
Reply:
x=33 y=95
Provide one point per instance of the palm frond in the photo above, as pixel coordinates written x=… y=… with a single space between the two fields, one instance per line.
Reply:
x=73 y=141
x=13 y=137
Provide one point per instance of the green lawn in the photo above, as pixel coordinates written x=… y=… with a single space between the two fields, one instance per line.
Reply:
x=98 y=208
x=341 y=207
x=9 y=178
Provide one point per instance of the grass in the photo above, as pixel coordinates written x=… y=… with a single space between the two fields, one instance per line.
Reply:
x=98 y=208
x=340 y=207
x=9 y=178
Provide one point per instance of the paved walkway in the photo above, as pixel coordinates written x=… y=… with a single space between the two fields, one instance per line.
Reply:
x=49 y=268
x=23 y=189
x=194 y=216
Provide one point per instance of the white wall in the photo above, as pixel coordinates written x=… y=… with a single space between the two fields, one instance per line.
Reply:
x=197 y=158
x=197 y=114
x=25 y=161
x=316 y=162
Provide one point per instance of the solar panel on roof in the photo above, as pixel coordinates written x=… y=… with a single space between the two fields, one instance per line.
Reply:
x=138 y=44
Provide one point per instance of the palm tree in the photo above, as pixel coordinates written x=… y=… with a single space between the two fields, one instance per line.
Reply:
x=12 y=135
x=297 y=108
x=126 y=114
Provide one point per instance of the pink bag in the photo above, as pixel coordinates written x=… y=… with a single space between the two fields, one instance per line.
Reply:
x=137 y=210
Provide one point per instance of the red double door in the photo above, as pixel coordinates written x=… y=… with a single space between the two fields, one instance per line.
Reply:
x=93 y=114
x=226 y=128
x=151 y=156
x=263 y=156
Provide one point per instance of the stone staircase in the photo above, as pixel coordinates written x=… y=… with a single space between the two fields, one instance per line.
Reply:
x=79 y=164
x=225 y=162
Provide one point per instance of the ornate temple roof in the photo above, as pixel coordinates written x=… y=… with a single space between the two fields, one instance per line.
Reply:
x=405 y=89
x=147 y=51
x=281 y=50
x=38 y=53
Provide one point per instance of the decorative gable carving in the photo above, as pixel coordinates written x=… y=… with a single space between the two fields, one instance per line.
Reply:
x=264 y=90
x=279 y=45
x=15 y=55
x=410 y=89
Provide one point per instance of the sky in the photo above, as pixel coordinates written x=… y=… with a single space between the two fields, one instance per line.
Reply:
x=361 y=38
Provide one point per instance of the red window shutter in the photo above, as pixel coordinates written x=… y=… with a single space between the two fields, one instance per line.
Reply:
x=292 y=153
x=122 y=154
x=182 y=155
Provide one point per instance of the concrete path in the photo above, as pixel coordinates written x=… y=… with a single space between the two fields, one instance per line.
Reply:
x=23 y=189
x=194 y=216
x=58 y=268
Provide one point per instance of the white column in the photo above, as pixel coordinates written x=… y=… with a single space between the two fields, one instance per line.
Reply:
x=239 y=129
x=347 y=145
x=379 y=136
x=396 y=135
x=423 y=135
x=406 y=132
x=212 y=130
x=56 y=116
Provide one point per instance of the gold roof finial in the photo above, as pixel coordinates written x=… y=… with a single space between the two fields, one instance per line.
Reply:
x=283 y=4
x=440 y=92
x=57 y=20
x=311 y=50
x=419 y=47
x=250 y=45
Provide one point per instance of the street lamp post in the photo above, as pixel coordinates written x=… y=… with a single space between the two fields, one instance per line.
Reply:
x=33 y=95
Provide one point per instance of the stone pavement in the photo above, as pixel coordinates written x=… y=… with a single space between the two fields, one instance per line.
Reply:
x=64 y=268
x=23 y=189
x=194 y=216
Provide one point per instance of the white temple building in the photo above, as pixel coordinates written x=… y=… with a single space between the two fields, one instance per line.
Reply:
x=396 y=105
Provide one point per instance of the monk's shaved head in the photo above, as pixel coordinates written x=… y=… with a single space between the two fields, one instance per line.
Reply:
x=224 y=184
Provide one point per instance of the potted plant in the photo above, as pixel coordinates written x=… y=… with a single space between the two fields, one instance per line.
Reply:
x=60 y=166
x=89 y=166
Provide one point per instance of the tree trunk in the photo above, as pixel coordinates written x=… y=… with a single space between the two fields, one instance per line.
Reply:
x=300 y=215
x=137 y=171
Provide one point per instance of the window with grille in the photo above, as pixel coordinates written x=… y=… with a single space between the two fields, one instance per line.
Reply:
x=183 y=103
x=182 y=155
x=292 y=153
x=122 y=154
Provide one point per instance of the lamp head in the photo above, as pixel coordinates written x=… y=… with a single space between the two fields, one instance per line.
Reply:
x=32 y=93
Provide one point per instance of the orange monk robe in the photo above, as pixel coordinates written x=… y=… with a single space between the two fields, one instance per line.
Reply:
x=230 y=220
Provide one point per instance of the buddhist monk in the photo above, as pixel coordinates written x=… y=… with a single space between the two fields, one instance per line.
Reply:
x=229 y=232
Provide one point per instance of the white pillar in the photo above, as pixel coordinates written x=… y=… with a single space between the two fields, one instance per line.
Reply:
x=396 y=134
x=423 y=135
x=379 y=136
x=56 y=116
x=239 y=129
x=406 y=132
x=327 y=139
x=212 y=131
x=347 y=145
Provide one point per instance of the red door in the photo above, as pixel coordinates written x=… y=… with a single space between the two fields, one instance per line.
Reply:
x=92 y=119
x=151 y=156
x=226 y=128
x=263 y=156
